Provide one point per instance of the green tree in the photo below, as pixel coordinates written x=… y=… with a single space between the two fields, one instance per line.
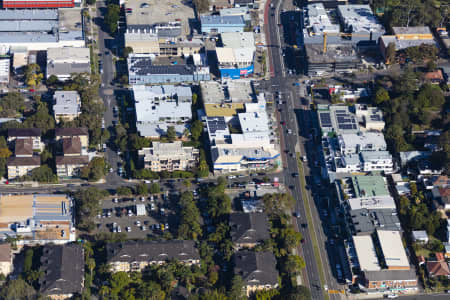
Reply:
x=52 y=80
x=390 y=53
x=127 y=51
x=124 y=191
x=171 y=133
x=17 y=289
x=237 y=288
x=294 y=264
x=11 y=105
x=44 y=174
x=112 y=17
x=203 y=168
x=277 y=203
x=142 y=189
x=299 y=293
x=95 y=170
x=154 y=188
x=381 y=96
x=196 y=129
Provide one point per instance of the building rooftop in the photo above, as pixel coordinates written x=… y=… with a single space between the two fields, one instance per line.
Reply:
x=23 y=147
x=175 y=13
x=62 y=267
x=67 y=103
x=174 y=150
x=249 y=228
x=372 y=202
x=217 y=128
x=254 y=122
x=238 y=40
x=222 y=20
x=233 y=91
x=367 y=156
x=419 y=235
x=24 y=132
x=149 y=251
x=28 y=14
x=145 y=65
x=372 y=185
x=387 y=275
x=155 y=104
x=30 y=215
x=72 y=160
x=412 y=30
x=359 y=18
x=336 y=53
x=235 y=55
x=24 y=161
x=392 y=247
x=256 y=268
x=361 y=141
x=365 y=250
x=68 y=55
x=79 y=131
x=337 y=118
x=71 y=145
x=365 y=221
x=317 y=20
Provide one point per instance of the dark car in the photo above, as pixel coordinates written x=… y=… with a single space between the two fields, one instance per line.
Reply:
x=294 y=174
x=305 y=225
x=303 y=241
x=297 y=214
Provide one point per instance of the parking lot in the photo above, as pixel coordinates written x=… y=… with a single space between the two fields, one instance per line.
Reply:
x=137 y=216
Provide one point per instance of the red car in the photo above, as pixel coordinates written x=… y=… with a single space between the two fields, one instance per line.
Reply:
x=32 y=90
x=283 y=123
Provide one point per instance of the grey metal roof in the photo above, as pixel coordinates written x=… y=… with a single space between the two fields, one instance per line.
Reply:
x=28 y=25
x=256 y=268
x=222 y=20
x=385 y=275
x=63 y=69
x=29 y=14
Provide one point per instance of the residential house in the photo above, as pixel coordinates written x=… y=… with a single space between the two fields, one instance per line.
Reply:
x=37 y=218
x=72 y=161
x=257 y=269
x=67 y=105
x=81 y=133
x=435 y=77
x=420 y=236
x=248 y=229
x=23 y=161
x=438 y=267
x=27 y=133
x=442 y=195
x=135 y=256
x=6 y=259
x=168 y=157
x=62 y=269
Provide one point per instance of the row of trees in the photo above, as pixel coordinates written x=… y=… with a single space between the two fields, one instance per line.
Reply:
x=88 y=205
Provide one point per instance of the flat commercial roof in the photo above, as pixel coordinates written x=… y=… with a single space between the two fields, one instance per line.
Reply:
x=364 y=141
x=365 y=250
x=375 y=155
x=160 y=12
x=412 y=30
x=68 y=55
x=238 y=39
x=222 y=20
x=234 y=91
x=392 y=247
x=359 y=18
x=254 y=122
x=227 y=55
x=372 y=202
x=28 y=14
x=226 y=110
x=372 y=185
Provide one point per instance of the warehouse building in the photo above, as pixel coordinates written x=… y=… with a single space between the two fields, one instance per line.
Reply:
x=40 y=29
x=4 y=69
x=37 y=218
x=64 y=62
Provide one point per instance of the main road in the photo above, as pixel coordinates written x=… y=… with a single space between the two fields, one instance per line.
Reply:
x=292 y=142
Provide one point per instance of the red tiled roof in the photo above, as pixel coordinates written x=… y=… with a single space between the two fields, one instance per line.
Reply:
x=438 y=268
x=436 y=75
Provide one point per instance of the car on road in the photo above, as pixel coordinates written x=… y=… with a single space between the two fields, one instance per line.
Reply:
x=128 y=229
x=283 y=123
x=296 y=214
x=289 y=131
x=295 y=174
x=304 y=159
x=231 y=177
x=303 y=241
x=304 y=225
x=391 y=296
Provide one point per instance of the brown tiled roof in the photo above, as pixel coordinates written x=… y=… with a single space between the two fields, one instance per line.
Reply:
x=5 y=252
x=24 y=161
x=72 y=160
x=72 y=145
x=439 y=256
x=441 y=180
x=23 y=147
x=71 y=131
x=438 y=268
x=436 y=75
x=24 y=132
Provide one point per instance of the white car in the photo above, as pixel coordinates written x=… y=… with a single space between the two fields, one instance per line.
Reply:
x=392 y=296
x=231 y=177
x=144 y=228
x=138 y=223
x=142 y=199
x=128 y=229
x=119 y=229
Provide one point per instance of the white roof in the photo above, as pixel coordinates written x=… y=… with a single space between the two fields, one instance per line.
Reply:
x=238 y=39
x=360 y=18
x=234 y=55
x=365 y=250
x=66 y=103
x=373 y=202
x=375 y=155
x=68 y=55
x=140 y=210
x=392 y=248
x=254 y=122
x=363 y=140
x=420 y=235
x=317 y=19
